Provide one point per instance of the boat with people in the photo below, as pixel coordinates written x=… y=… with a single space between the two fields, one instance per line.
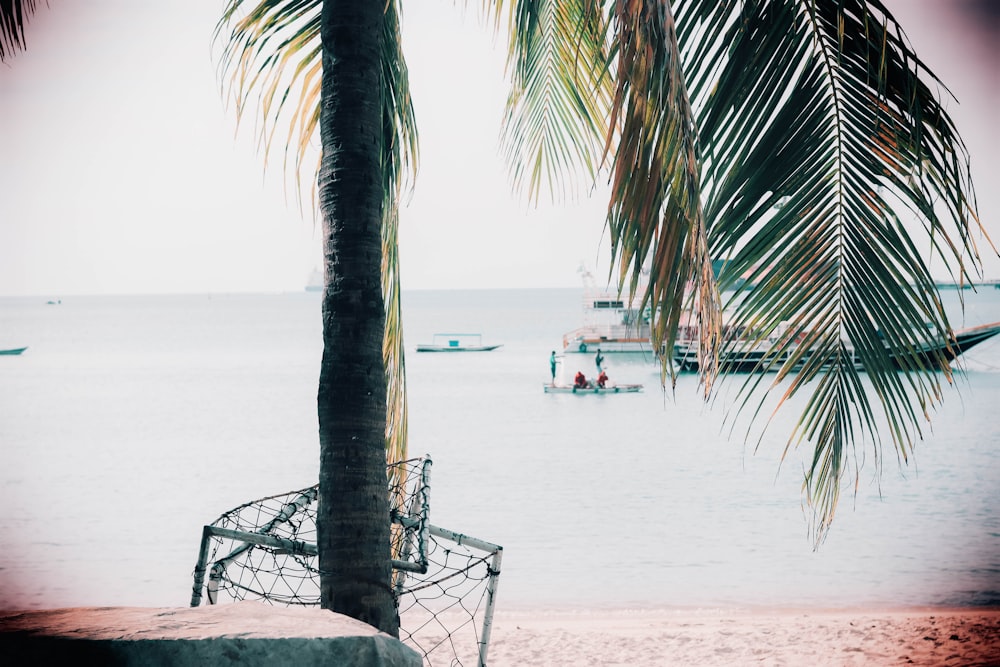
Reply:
x=457 y=342
x=746 y=354
x=581 y=385
x=592 y=389
x=13 y=351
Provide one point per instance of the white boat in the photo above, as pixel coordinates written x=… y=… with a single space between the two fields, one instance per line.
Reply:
x=456 y=342
x=593 y=389
x=612 y=322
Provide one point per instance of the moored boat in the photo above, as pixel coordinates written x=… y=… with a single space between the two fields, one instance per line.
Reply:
x=457 y=342
x=741 y=355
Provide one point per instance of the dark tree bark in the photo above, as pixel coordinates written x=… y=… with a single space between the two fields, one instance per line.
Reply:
x=353 y=519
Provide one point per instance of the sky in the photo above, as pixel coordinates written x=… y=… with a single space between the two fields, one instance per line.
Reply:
x=122 y=171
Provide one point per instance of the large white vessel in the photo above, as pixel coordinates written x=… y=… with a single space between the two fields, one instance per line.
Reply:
x=611 y=322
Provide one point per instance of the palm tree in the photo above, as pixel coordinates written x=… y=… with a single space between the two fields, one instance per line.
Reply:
x=353 y=527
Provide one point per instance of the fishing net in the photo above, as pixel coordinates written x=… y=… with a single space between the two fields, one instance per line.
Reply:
x=444 y=582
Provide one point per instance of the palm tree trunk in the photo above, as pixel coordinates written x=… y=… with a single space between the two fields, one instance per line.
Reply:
x=353 y=519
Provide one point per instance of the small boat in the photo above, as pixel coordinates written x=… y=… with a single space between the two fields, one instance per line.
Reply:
x=746 y=356
x=453 y=342
x=593 y=389
x=13 y=351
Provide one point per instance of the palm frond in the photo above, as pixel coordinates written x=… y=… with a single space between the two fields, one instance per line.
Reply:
x=818 y=132
x=271 y=67
x=655 y=214
x=271 y=58
x=400 y=147
x=560 y=93
x=14 y=15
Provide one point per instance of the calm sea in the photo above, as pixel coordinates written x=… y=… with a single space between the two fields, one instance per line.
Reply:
x=132 y=421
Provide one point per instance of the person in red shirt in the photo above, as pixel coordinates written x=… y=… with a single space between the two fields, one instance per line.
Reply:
x=602 y=379
x=580 y=380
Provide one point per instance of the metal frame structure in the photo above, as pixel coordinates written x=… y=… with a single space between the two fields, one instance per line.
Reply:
x=412 y=534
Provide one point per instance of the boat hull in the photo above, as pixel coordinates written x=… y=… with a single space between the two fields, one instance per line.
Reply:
x=754 y=360
x=13 y=351
x=610 y=389
x=743 y=361
x=965 y=339
x=454 y=348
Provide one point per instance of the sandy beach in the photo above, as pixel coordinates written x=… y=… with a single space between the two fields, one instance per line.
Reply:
x=637 y=638
x=812 y=638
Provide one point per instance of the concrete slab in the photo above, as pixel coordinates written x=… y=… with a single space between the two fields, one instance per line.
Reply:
x=244 y=633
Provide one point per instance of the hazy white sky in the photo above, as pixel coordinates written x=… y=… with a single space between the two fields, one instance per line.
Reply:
x=120 y=171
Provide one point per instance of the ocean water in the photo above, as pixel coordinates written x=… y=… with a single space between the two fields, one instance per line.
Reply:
x=133 y=421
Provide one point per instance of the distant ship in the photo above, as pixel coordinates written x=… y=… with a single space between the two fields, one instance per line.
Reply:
x=315 y=283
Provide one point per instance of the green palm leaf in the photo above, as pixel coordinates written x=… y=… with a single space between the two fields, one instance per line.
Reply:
x=820 y=106
x=558 y=82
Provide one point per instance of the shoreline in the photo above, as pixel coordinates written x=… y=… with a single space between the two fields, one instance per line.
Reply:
x=776 y=609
